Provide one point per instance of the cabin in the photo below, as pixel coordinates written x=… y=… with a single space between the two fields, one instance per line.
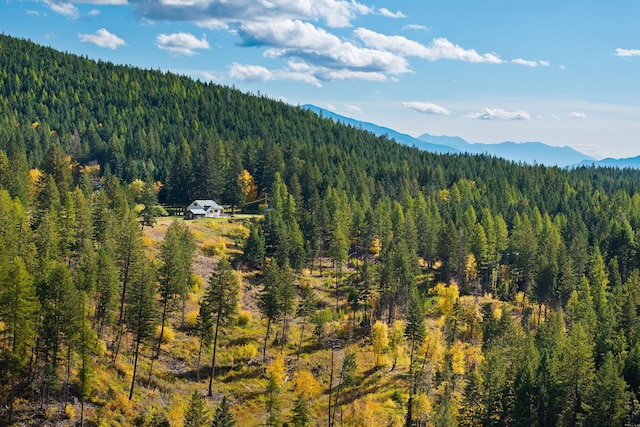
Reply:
x=203 y=209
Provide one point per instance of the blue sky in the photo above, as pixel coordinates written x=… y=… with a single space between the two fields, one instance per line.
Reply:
x=559 y=72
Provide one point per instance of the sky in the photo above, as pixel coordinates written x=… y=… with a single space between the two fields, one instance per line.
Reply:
x=558 y=72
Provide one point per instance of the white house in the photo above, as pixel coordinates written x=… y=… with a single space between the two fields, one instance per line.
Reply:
x=203 y=209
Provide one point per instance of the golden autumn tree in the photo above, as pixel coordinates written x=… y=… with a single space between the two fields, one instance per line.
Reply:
x=247 y=186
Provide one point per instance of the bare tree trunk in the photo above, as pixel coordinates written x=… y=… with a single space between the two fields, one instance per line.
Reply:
x=304 y=320
x=266 y=338
x=213 y=359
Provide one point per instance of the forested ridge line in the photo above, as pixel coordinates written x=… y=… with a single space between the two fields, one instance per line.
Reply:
x=506 y=294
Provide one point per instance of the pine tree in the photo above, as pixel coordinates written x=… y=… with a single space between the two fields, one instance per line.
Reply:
x=306 y=307
x=140 y=313
x=222 y=300
x=18 y=313
x=196 y=415
x=223 y=416
x=287 y=294
x=128 y=253
x=254 y=249
x=576 y=371
x=175 y=272
x=609 y=396
x=269 y=300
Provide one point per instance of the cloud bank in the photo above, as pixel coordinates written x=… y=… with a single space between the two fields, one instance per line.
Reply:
x=303 y=34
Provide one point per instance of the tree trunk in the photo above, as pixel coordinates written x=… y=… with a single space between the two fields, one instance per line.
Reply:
x=125 y=280
x=266 y=338
x=304 y=320
x=213 y=358
x=284 y=328
x=135 y=367
x=198 y=363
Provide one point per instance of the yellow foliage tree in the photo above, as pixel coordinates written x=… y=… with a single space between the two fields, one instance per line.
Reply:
x=447 y=297
x=457 y=358
x=247 y=186
x=136 y=187
x=396 y=341
x=422 y=407
x=36 y=183
x=380 y=342
x=305 y=385
x=276 y=370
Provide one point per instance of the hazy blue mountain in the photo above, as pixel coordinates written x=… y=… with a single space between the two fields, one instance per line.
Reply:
x=525 y=152
x=629 y=162
x=401 y=138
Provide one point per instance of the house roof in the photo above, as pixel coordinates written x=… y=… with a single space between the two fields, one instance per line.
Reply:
x=207 y=204
x=198 y=211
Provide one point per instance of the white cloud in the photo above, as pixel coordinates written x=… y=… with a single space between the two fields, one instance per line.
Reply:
x=387 y=13
x=102 y=38
x=415 y=27
x=427 y=107
x=66 y=9
x=335 y=13
x=500 y=114
x=181 y=43
x=528 y=63
x=104 y=2
x=439 y=48
x=352 y=108
x=577 y=115
x=94 y=12
x=319 y=48
x=627 y=52
x=250 y=73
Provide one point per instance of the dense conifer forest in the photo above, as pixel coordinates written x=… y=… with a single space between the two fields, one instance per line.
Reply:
x=373 y=284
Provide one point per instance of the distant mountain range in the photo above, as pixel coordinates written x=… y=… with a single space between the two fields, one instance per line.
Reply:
x=520 y=152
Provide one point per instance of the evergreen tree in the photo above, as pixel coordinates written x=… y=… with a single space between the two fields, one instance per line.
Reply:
x=254 y=249
x=223 y=416
x=175 y=272
x=222 y=299
x=269 y=300
x=140 y=311
x=128 y=253
x=18 y=314
x=609 y=396
x=196 y=415
x=306 y=307
x=576 y=372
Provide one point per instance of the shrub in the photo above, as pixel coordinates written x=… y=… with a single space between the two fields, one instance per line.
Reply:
x=168 y=336
x=69 y=411
x=198 y=283
x=213 y=247
x=244 y=318
x=239 y=235
x=190 y=319
x=147 y=241
x=50 y=413
x=245 y=352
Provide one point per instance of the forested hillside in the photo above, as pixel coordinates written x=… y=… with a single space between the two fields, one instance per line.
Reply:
x=382 y=283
